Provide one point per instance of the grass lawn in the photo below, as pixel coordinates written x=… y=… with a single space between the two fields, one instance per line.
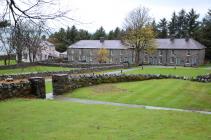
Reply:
x=34 y=69
x=48 y=87
x=163 y=93
x=190 y=72
x=52 y=120
x=12 y=62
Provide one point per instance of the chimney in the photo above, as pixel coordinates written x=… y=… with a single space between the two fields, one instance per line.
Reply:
x=172 y=38
x=187 y=38
x=102 y=39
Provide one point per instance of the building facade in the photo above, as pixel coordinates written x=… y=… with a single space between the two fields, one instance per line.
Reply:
x=169 y=52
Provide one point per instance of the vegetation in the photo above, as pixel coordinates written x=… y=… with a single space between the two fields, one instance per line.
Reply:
x=102 y=55
x=138 y=34
x=48 y=87
x=33 y=69
x=47 y=120
x=180 y=71
x=9 y=62
x=163 y=93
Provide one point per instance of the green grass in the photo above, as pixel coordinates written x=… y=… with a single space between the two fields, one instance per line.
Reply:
x=48 y=87
x=189 y=72
x=163 y=93
x=52 y=120
x=12 y=62
x=33 y=69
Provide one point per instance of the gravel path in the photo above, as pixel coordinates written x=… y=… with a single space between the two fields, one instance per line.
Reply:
x=85 y=101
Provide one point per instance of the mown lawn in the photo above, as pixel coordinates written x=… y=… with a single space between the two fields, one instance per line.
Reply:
x=12 y=62
x=52 y=120
x=33 y=69
x=163 y=93
x=48 y=87
x=180 y=71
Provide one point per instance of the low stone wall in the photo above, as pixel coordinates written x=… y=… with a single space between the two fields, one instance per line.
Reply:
x=33 y=88
x=62 y=83
x=79 y=65
x=203 y=78
x=22 y=65
x=47 y=74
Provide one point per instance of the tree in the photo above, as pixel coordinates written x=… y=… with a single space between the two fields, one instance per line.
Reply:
x=154 y=28
x=172 y=26
x=99 y=33
x=182 y=24
x=111 y=35
x=5 y=31
x=203 y=34
x=192 y=23
x=162 y=28
x=83 y=35
x=139 y=35
x=102 y=55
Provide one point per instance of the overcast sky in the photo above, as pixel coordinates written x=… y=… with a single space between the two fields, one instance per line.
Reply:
x=111 y=13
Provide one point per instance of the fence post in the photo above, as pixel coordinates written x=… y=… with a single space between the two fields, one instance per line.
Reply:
x=60 y=83
x=38 y=87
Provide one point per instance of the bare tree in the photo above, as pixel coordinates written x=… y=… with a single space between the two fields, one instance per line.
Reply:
x=139 y=34
x=4 y=39
x=34 y=12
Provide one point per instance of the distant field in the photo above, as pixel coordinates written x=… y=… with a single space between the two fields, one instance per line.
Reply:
x=180 y=71
x=34 y=69
x=163 y=93
x=12 y=62
x=54 y=120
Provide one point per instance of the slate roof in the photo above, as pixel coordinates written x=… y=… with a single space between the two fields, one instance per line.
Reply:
x=161 y=44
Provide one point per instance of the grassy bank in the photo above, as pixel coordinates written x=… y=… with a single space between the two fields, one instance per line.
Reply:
x=164 y=93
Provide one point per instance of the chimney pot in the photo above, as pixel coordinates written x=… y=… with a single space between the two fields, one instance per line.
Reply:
x=102 y=39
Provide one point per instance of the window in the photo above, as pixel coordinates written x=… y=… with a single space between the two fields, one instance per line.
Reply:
x=160 y=60
x=72 y=58
x=79 y=58
x=172 y=60
x=188 y=52
x=188 y=60
x=121 y=52
x=172 y=52
x=160 y=52
x=72 y=51
x=90 y=52
x=80 y=52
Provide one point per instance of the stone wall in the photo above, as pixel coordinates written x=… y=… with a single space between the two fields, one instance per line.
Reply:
x=32 y=88
x=22 y=65
x=46 y=74
x=63 y=83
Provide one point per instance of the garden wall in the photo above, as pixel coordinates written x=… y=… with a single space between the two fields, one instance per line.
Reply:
x=33 y=88
x=46 y=74
x=63 y=83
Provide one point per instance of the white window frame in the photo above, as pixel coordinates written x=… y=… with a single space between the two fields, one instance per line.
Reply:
x=80 y=52
x=172 y=58
x=121 y=52
x=111 y=52
x=172 y=52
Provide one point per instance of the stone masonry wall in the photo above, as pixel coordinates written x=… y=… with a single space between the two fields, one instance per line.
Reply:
x=46 y=74
x=33 y=88
x=63 y=83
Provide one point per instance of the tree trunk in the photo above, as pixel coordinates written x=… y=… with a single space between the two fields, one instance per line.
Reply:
x=19 y=56
x=137 y=53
